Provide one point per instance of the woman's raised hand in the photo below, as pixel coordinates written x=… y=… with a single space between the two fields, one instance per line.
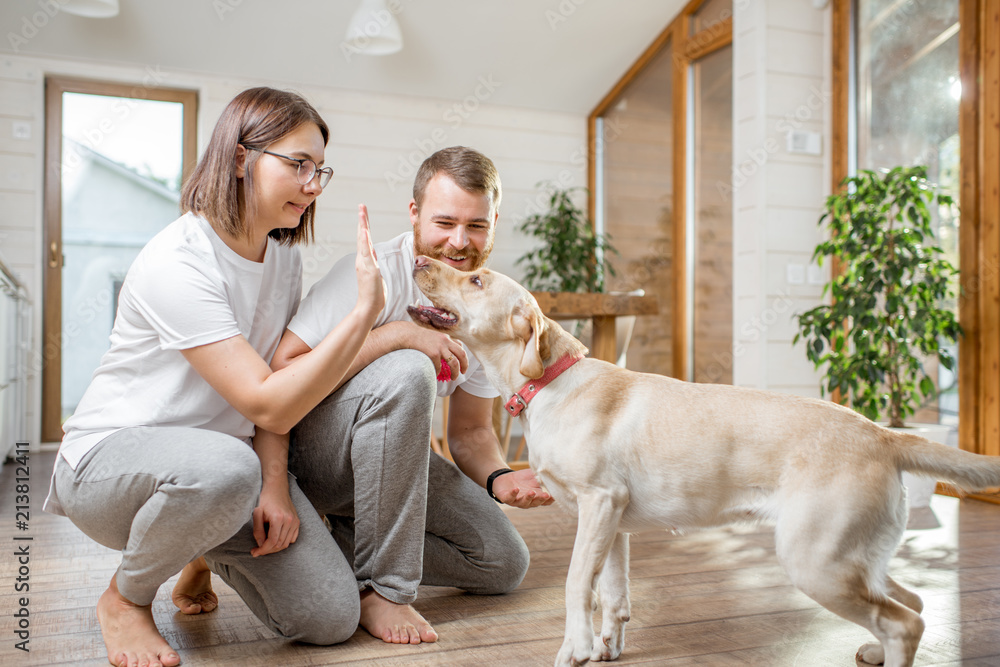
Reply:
x=371 y=288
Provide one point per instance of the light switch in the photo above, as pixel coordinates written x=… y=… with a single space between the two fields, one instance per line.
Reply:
x=809 y=143
x=795 y=274
x=21 y=130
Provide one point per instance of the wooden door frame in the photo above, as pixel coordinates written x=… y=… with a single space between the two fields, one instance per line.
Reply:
x=979 y=203
x=55 y=86
x=685 y=48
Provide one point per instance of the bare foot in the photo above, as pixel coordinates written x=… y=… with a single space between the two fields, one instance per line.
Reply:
x=393 y=623
x=193 y=593
x=130 y=635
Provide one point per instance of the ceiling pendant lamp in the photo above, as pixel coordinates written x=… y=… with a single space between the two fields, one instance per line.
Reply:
x=374 y=30
x=94 y=9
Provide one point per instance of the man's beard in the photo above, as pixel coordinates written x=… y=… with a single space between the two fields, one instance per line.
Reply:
x=470 y=252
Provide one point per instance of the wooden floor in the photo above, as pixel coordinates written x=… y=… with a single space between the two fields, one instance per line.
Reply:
x=711 y=598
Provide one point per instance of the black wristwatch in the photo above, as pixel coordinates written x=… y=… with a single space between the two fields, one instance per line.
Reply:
x=491 y=478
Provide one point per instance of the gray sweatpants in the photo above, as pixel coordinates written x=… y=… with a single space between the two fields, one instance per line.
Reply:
x=165 y=496
x=402 y=515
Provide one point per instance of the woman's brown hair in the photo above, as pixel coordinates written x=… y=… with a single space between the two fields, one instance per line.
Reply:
x=256 y=118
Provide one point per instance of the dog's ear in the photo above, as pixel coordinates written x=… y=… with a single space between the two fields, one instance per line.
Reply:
x=529 y=326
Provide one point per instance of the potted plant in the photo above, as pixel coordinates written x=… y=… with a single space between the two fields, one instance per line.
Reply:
x=571 y=258
x=889 y=294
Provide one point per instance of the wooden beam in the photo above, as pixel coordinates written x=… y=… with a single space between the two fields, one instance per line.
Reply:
x=840 y=114
x=988 y=152
x=969 y=380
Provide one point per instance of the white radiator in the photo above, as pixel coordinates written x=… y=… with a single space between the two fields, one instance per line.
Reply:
x=15 y=347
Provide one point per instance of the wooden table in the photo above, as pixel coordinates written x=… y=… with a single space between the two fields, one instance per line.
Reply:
x=602 y=309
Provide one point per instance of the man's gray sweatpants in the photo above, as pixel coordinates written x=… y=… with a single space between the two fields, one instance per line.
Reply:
x=165 y=496
x=403 y=516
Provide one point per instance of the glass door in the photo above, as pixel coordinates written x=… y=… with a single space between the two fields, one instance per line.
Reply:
x=121 y=157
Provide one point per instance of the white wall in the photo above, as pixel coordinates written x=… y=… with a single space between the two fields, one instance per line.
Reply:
x=782 y=81
x=377 y=141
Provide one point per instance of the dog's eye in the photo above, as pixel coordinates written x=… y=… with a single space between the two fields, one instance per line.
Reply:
x=476 y=281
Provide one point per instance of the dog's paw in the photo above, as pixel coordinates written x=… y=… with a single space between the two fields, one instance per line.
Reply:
x=608 y=648
x=871 y=654
x=569 y=657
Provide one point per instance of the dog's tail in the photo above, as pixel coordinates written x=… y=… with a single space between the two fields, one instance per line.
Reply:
x=966 y=470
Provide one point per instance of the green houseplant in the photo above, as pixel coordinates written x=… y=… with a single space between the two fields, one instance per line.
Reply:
x=888 y=292
x=571 y=257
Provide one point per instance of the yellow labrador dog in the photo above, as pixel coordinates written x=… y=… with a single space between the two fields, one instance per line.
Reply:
x=633 y=451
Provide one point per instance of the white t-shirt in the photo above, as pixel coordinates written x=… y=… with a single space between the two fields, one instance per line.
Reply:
x=186 y=288
x=331 y=299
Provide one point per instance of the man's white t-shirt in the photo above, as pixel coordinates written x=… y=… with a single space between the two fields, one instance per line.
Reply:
x=331 y=299
x=186 y=288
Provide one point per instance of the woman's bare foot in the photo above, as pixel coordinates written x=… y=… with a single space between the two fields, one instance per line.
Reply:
x=130 y=635
x=193 y=593
x=393 y=623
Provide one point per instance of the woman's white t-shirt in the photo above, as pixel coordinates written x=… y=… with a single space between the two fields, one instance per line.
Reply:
x=185 y=289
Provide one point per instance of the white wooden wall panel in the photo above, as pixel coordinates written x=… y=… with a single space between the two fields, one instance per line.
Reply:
x=370 y=135
x=781 y=63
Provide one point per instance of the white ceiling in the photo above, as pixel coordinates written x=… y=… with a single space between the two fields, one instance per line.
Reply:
x=558 y=55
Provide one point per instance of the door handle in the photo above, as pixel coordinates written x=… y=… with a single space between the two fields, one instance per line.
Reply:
x=55 y=257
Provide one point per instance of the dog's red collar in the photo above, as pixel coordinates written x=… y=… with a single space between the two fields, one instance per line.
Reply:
x=519 y=401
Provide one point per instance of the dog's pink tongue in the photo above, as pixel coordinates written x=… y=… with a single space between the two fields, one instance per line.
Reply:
x=445 y=374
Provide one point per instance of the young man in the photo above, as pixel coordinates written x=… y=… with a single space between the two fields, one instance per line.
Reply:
x=362 y=457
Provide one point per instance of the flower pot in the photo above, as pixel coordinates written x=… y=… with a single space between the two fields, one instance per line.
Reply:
x=920 y=488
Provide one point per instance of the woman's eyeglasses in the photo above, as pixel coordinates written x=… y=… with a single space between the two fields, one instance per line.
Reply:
x=307 y=169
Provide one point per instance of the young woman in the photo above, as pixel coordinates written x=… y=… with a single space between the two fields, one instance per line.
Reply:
x=157 y=459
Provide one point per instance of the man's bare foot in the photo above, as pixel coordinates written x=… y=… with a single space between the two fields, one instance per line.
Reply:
x=393 y=623
x=130 y=635
x=193 y=593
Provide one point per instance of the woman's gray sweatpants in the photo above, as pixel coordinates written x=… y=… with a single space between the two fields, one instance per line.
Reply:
x=402 y=515
x=165 y=496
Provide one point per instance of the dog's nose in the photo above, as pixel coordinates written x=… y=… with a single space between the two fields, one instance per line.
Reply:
x=421 y=262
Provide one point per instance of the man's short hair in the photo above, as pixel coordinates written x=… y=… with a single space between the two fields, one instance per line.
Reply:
x=471 y=170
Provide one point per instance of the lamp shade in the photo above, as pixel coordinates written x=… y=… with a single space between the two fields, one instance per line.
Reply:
x=374 y=30
x=94 y=9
